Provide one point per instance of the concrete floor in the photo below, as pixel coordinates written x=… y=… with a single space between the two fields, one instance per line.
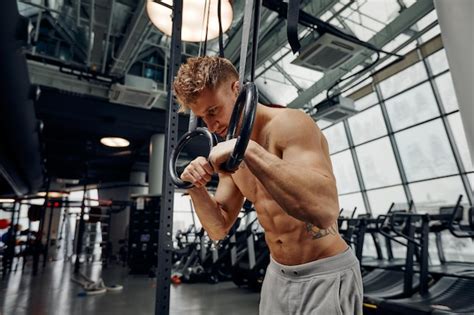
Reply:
x=51 y=292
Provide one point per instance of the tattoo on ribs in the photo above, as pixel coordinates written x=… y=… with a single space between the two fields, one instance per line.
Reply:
x=317 y=233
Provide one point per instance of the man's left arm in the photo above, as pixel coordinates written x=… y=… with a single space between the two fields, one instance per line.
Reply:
x=301 y=182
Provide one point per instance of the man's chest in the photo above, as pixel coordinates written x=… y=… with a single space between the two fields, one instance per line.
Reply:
x=247 y=178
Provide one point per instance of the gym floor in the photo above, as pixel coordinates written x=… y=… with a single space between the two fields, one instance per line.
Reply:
x=52 y=292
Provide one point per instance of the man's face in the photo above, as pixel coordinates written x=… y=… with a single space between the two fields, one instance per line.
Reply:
x=215 y=107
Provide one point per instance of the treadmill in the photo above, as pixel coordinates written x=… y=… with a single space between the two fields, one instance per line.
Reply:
x=373 y=228
x=380 y=285
x=450 y=294
x=449 y=219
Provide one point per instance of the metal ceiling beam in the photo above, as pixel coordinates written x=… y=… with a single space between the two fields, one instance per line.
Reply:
x=287 y=76
x=342 y=21
x=137 y=31
x=402 y=22
x=232 y=48
x=51 y=76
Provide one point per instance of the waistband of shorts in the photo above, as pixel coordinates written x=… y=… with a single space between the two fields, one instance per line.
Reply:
x=333 y=264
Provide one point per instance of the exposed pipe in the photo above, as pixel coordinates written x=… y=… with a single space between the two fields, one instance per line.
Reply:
x=113 y=54
x=78 y=17
x=128 y=37
x=91 y=33
x=138 y=48
x=37 y=31
x=107 y=38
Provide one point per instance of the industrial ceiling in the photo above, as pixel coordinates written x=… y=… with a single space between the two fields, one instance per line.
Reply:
x=77 y=50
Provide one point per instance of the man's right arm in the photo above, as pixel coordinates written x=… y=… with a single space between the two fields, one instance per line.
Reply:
x=216 y=213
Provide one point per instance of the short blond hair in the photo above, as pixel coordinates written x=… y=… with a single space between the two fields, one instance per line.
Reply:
x=199 y=73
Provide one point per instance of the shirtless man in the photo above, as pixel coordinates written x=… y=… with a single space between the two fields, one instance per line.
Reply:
x=287 y=174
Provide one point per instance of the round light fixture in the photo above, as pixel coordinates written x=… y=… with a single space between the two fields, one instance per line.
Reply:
x=194 y=18
x=53 y=194
x=115 y=142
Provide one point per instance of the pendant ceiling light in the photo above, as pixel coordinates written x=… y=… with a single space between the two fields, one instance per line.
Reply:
x=115 y=142
x=195 y=17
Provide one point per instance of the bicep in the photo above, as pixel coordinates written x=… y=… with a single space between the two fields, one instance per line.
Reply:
x=229 y=198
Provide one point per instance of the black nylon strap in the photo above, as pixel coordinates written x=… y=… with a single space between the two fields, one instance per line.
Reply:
x=221 y=34
x=292 y=25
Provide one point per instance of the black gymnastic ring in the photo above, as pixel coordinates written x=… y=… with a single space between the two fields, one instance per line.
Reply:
x=247 y=103
x=200 y=131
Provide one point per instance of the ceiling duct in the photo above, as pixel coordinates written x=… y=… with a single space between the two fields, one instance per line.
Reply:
x=334 y=109
x=137 y=91
x=326 y=52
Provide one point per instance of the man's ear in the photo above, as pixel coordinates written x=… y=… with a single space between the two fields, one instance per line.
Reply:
x=236 y=88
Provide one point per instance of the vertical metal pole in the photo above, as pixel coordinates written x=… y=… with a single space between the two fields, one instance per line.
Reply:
x=11 y=241
x=378 y=247
x=425 y=230
x=165 y=240
x=80 y=234
x=360 y=239
x=388 y=246
x=48 y=236
x=41 y=228
x=408 y=283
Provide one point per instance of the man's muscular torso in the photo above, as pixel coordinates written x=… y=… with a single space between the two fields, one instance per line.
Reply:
x=290 y=241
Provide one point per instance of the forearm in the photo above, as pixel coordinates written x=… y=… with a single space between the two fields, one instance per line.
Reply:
x=209 y=213
x=303 y=193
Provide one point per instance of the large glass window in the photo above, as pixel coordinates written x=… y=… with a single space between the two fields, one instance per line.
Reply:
x=403 y=80
x=457 y=128
x=286 y=92
x=344 y=171
x=377 y=164
x=425 y=151
x=438 y=62
x=446 y=92
x=336 y=137
x=381 y=199
x=367 y=125
x=183 y=216
x=349 y=202
x=366 y=101
x=431 y=194
x=411 y=107
x=323 y=123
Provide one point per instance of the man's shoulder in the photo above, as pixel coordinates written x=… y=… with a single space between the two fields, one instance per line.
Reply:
x=290 y=125
x=288 y=119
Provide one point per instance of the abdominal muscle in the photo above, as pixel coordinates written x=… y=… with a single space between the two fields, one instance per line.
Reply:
x=291 y=241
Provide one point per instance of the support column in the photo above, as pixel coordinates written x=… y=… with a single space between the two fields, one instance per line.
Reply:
x=155 y=171
x=50 y=233
x=138 y=183
x=118 y=228
x=455 y=21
